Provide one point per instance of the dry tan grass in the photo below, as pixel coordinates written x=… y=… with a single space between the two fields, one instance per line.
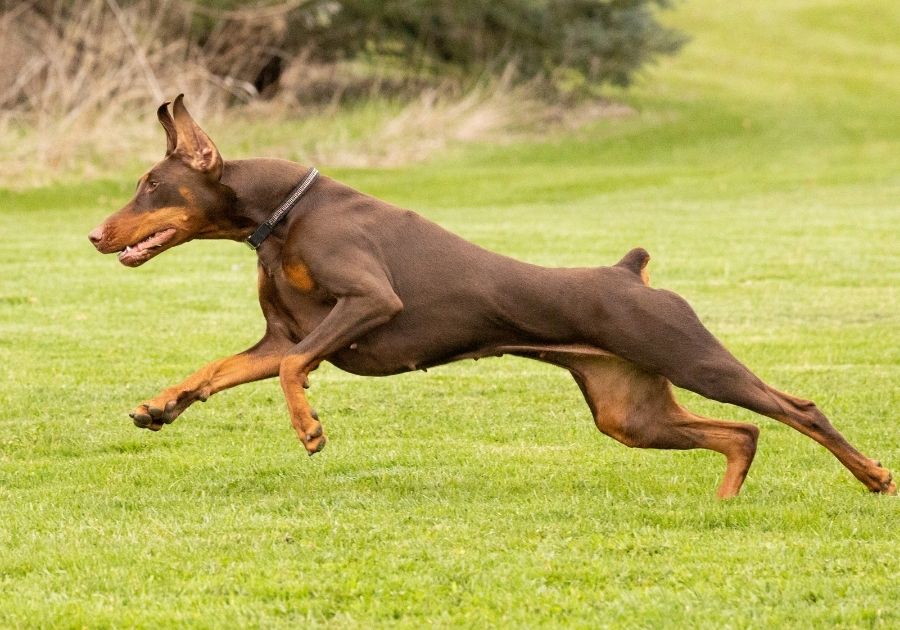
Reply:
x=79 y=87
x=433 y=122
x=72 y=78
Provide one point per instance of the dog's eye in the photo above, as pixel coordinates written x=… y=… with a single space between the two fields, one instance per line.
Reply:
x=151 y=185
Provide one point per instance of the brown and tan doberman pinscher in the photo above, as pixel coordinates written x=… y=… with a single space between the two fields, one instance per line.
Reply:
x=377 y=290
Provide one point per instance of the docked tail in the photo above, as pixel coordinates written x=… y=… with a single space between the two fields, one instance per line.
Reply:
x=636 y=261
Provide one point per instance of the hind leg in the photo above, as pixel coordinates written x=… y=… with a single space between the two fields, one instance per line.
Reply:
x=660 y=332
x=638 y=409
x=725 y=379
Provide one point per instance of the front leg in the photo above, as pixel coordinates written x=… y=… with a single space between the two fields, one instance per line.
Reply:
x=259 y=362
x=351 y=317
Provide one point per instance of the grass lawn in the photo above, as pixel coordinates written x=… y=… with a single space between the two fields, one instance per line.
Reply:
x=762 y=172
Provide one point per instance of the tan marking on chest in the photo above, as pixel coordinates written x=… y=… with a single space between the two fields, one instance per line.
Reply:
x=297 y=273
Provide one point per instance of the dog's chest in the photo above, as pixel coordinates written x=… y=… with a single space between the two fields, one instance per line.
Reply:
x=298 y=308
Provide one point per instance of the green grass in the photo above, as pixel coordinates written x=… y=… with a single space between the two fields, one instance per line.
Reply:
x=762 y=174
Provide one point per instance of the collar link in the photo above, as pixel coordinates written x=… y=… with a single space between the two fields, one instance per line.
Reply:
x=262 y=232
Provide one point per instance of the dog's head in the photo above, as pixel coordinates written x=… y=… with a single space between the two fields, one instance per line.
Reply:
x=179 y=199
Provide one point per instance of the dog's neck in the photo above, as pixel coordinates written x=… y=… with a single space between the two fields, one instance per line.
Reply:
x=260 y=185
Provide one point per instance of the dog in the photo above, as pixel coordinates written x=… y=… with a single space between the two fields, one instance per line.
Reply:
x=377 y=290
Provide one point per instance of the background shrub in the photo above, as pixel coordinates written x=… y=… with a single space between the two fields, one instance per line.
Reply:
x=355 y=46
x=597 y=41
x=79 y=77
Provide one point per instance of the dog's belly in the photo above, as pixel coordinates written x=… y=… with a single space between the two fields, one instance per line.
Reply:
x=370 y=363
x=414 y=342
x=382 y=353
x=366 y=364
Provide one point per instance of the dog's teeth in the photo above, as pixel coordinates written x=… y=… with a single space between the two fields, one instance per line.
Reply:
x=128 y=248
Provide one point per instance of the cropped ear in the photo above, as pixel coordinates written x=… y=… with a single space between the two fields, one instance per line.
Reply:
x=165 y=119
x=193 y=145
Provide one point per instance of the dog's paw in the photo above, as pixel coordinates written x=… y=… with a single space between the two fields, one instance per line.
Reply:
x=880 y=479
x=314 y=440
x=152 y=416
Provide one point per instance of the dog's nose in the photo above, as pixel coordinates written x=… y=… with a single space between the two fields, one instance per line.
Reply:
x=96 y=236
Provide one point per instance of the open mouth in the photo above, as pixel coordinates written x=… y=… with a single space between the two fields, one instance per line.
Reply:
x=144 y=250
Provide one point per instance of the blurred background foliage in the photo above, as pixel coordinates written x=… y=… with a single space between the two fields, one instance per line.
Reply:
x=261 y=49
x=81 y=78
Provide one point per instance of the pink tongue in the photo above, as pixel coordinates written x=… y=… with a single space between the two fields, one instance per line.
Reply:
x=153 y=239
x=138 y=247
